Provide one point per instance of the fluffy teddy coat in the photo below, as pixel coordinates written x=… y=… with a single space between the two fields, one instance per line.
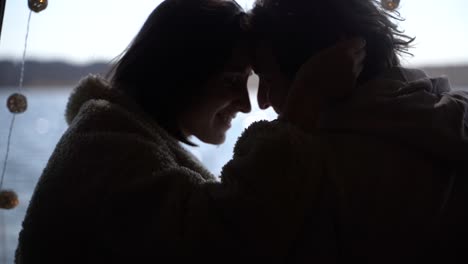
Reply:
x=118 y=188
x=382 y=180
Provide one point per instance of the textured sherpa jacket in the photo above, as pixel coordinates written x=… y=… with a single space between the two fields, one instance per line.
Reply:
x=118 y=188
x=382 y=180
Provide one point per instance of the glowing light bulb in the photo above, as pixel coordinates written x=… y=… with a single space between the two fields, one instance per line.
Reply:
x=8 y=199
x=390 y=4
x=37 y=5
x=17 y=103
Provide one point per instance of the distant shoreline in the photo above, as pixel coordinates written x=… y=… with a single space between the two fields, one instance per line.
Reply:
x=64 y=74
x=50 y=74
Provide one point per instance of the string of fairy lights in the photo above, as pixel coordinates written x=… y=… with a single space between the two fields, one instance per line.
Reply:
x=17 y=103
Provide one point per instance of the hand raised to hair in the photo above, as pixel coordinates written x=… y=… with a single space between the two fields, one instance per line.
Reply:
x=329 y=74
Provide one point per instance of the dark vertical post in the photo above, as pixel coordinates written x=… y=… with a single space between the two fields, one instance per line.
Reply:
x=2 y=12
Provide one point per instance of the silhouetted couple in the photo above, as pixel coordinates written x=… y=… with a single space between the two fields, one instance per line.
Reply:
x=366 y=161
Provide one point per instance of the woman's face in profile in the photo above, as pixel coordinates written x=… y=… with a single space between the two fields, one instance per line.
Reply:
x=225 y=94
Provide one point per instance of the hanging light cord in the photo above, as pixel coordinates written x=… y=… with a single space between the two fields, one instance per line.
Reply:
x=24 y=52
x=7 y=150
x=20 y=87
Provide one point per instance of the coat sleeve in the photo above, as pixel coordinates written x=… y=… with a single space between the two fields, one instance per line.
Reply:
x=257 y=210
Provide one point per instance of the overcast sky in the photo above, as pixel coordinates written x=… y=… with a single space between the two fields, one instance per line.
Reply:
x=89 y=30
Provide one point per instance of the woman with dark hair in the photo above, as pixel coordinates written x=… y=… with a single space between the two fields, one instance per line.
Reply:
x=119 y=187
x=186 y=51
x=393 y=151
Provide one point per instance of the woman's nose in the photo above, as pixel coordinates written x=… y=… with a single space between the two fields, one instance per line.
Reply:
x=244 y=101
x=262 y=95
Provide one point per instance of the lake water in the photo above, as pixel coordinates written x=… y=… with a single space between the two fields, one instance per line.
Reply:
x=34 y=137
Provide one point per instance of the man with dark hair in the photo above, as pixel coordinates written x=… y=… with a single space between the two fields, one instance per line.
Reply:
x=393 y=152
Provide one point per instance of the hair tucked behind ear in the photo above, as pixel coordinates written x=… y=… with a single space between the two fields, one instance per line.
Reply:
x=299 y=28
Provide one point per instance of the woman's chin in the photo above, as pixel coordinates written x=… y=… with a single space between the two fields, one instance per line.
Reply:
x=214 y=138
